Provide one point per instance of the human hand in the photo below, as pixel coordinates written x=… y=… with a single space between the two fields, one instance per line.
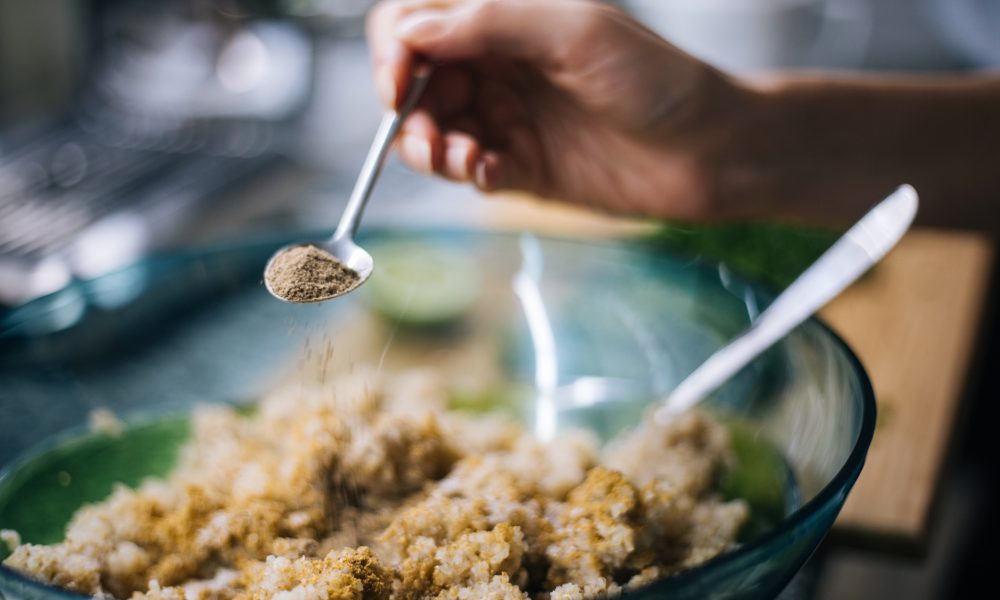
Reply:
x=567 y=99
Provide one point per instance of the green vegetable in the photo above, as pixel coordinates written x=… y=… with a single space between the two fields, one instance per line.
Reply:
x=504 y=399
x=759 y=475
x=42 y=496
x=419 y=285
x=771 y=253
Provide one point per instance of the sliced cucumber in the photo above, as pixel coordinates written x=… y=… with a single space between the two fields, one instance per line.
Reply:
x=421 y=285
x=759 y=475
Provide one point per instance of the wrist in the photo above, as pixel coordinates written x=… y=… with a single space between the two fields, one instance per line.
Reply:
x=783 y=160
x=729 y=131
x=749 y=152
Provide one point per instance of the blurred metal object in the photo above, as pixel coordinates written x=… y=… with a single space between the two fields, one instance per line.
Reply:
x=177 y=108
x=185 y=70
x=864 y=244
x=341 y=244
x=71 y=206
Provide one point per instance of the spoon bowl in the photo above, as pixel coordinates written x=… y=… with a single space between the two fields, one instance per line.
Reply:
x=341 y=245
x=343 y=249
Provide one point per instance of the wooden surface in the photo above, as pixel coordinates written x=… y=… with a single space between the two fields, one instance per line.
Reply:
x=913 y=321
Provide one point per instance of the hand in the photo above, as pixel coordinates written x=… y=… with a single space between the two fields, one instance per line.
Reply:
x=566 y=99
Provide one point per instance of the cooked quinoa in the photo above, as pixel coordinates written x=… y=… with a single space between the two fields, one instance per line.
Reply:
x=370 y=489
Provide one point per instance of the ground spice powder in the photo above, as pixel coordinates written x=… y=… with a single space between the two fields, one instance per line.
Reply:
x=307 y=274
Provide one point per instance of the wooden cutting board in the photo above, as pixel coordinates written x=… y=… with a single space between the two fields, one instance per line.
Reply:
x=913 y=322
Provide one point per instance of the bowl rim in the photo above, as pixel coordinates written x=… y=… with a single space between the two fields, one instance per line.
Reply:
x=841 y=483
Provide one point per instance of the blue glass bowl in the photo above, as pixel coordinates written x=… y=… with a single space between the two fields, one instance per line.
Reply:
x=571 y=334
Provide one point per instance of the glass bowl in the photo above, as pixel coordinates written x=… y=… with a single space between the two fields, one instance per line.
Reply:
x=561 y=333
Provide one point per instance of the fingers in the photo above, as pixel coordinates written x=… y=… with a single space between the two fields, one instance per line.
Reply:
x=518 y=165
x=457 y=154
x=461 y=153
x=499 y=106
x=498 y=171
x=426 y=149
x=539 y=32
x=392 y=60
x=453 y=155
x=528 y=30
x=449 y=93
x=466 y=126
x=488 y=174
x=420 y=142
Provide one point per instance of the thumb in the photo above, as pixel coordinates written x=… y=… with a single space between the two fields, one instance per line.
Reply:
x=530 y=30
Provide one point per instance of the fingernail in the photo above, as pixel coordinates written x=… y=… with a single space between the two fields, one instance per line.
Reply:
x=420 y=26
x=480 y=176
x=486 y=175
x=419 y=151
x=456 y=161
x=386 y=84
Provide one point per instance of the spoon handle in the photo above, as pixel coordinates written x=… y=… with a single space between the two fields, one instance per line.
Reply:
x=372 y=166
x=851 y=256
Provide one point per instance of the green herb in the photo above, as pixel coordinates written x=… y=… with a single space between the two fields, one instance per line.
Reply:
x=760 y=476
x=771 y=253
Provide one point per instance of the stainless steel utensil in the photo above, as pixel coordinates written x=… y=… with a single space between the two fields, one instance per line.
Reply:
x=341 y=245
x=851 y=256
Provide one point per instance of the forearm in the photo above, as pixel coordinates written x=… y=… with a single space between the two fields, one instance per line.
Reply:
x=826 y=149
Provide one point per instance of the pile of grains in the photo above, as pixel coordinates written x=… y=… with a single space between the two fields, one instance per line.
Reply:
x=370 y=489
x=308 y=273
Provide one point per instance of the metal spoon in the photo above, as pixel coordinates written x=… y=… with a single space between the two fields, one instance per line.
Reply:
x=851 y=256
x=341 y=245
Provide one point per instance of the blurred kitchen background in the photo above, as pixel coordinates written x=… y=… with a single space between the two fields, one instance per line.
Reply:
x=131 y=127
